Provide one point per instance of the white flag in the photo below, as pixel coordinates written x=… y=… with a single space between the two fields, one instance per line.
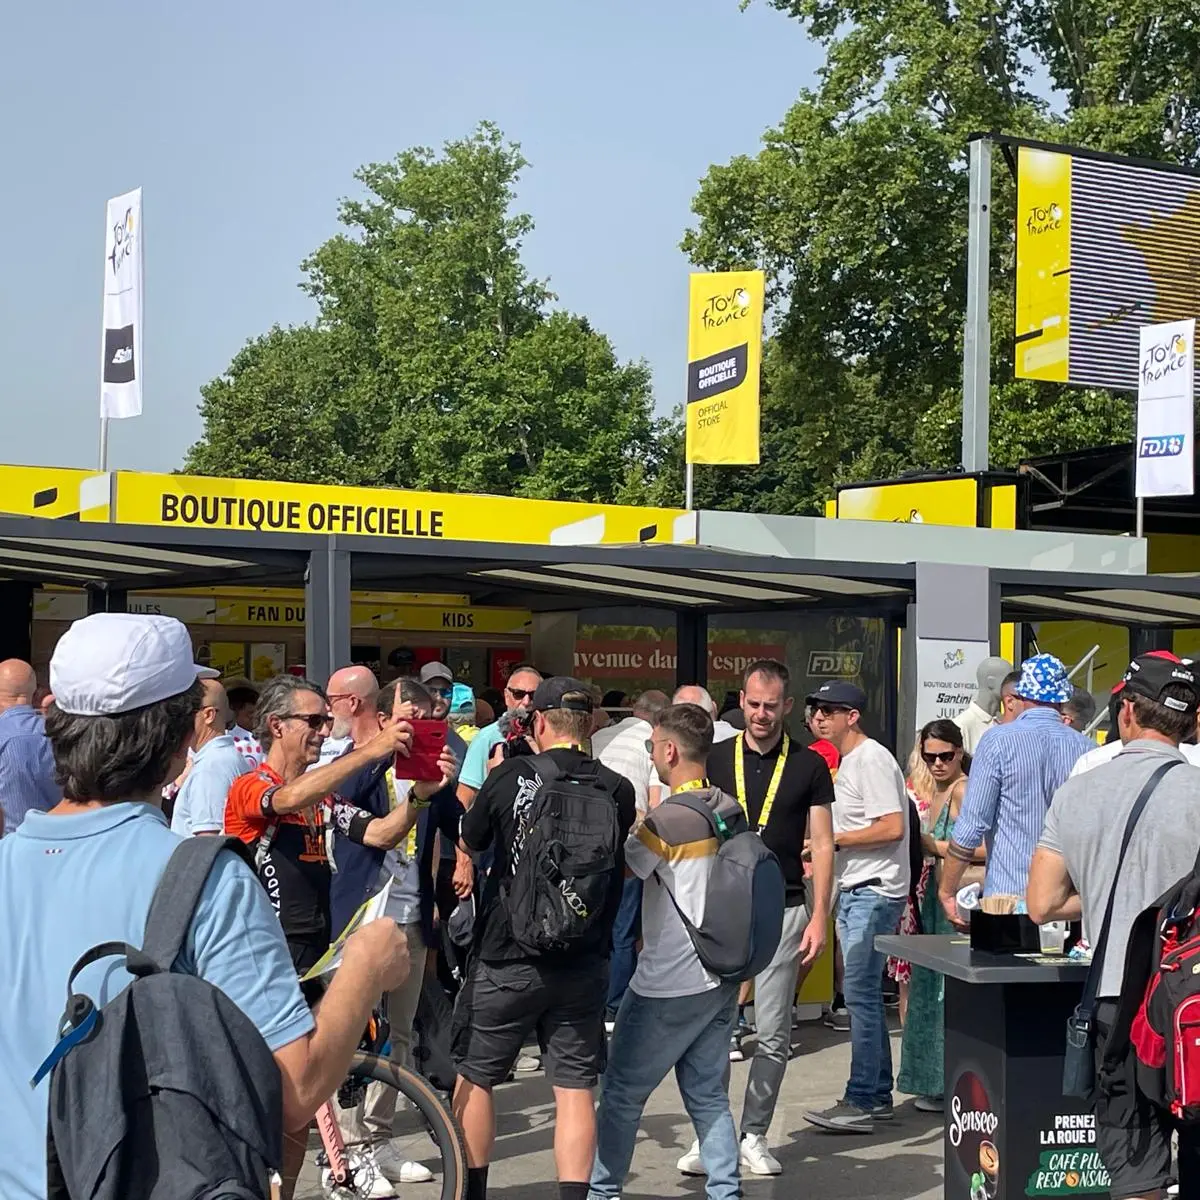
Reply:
x=1165 y=409
x=121 y=364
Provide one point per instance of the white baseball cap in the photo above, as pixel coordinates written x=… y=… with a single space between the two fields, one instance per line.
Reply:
x=111 y=663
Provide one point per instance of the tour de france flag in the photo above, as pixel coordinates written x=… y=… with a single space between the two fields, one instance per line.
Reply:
x=725 y=322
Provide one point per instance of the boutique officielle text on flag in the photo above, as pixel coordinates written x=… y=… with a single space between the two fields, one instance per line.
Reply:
x=725 y=323
x=1165 y=411
x=121 y=361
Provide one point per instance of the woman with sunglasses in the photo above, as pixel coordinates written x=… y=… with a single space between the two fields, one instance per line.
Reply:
x=940 y=781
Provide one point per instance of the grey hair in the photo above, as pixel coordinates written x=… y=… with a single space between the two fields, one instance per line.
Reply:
x=705 y=702
x=112 y=758
x=275 y=700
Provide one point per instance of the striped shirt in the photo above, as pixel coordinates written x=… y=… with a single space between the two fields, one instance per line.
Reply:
x=1016 y=770
x=26 y=766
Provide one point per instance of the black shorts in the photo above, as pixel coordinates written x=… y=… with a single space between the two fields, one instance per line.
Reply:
x=502 y=1003
x=304 y=958
x=1133 y=1136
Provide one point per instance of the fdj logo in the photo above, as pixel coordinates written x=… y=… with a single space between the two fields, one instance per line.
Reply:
x=1167 y=446
x=1043 y=218
x=1163 y=358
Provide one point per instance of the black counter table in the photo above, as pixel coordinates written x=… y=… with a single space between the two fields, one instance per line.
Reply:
x=1010 y=1132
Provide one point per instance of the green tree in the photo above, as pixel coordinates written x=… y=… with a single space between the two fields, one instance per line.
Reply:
x=856 y=207
x=435 y=359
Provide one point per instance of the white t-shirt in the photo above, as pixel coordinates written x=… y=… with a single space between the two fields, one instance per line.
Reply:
x=622 y=748
x=1113 y=747
x=869 y=785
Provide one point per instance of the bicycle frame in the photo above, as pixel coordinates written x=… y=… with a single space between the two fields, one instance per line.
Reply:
x=335 y=1147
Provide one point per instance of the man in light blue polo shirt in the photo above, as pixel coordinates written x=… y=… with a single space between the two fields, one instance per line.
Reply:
x=215 y=763
x=126 y=696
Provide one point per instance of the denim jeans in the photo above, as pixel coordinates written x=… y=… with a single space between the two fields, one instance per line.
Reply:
x=862 y=916
x=625 y=934
x=691 y=1034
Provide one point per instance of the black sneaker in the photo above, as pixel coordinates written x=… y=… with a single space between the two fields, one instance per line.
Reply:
x=843 y=1117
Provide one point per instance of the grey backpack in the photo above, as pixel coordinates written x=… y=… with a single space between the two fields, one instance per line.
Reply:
x=169 y=1090
x=743 y=907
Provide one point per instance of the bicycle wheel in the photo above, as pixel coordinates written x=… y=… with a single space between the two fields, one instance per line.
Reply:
x=427 y=1119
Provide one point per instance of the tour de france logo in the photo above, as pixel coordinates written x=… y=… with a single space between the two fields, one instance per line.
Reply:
x=971 y=1130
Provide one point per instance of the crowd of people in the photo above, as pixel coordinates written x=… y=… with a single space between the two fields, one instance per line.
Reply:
x=573 y=856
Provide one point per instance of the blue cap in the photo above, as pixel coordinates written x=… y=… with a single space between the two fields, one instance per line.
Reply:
x=462 y=700
x=1044 y=680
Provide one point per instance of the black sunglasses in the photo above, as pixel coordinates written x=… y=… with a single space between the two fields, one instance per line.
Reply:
x=520 y=693
x=830 y=710
x=314 y=721
x=942 y=756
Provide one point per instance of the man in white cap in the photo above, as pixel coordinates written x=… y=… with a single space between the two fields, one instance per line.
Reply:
x=126 y=697
x=439 y=681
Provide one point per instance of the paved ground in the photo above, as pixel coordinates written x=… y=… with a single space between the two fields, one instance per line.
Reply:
x=901 y=1161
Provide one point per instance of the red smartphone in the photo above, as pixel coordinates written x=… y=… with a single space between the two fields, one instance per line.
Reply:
x=429 y=740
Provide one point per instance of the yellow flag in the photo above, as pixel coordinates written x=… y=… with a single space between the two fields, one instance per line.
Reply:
x=725 y=321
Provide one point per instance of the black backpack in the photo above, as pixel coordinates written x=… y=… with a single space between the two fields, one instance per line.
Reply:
x=743 y=907
x=168 y=1092
x=564 y=857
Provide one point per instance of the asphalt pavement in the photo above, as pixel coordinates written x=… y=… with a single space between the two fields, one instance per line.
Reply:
x=902 y=1160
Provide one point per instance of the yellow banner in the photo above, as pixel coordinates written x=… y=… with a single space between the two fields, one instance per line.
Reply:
x=1043 y=326
x=55 y=492
x=933 y=502
x=205 y=503
x=725 y=323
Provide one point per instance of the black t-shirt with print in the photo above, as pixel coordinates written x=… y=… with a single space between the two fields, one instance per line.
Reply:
x=492 y=821
x=806 y=783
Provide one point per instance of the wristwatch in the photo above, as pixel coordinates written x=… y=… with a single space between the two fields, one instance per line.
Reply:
x=414 y=800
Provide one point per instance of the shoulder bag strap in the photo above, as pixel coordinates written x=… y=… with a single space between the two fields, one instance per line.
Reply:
x=175 y=899
x=1087 y=1004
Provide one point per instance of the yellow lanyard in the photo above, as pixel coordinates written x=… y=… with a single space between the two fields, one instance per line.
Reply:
x=410 y=843
x=739 y=768
x=692 y=785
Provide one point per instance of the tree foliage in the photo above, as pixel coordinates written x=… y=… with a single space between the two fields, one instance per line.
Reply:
x=856 y=207
x=435 y=360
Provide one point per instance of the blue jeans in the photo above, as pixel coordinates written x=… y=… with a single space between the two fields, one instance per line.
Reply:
x=691 y=1034
x=625 y=934
x=862 y=916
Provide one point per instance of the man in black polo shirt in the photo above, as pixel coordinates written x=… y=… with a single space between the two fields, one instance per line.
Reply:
x=786 y=790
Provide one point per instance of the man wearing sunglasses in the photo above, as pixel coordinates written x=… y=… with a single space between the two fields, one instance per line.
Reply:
x=870 y=827
x=214 y=764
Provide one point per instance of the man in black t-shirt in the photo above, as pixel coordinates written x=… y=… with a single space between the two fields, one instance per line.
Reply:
x=509 y=995
x=786 y=790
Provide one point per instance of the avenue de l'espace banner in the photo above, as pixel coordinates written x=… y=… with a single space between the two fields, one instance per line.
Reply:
x=121 y=349
x=725 y=323
x=1166 y=385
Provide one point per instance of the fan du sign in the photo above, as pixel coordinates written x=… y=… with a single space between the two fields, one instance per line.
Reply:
x=1166 y=374
x=946 y=682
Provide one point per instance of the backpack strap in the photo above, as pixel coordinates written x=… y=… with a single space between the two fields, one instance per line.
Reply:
x=1087 y=1004
x=174 y=902
x=720 y=827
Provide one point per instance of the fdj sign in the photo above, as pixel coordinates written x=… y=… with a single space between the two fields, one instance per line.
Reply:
x=1163 y=446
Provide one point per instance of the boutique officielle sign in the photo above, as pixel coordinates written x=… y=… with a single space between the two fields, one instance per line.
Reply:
x=946 y=682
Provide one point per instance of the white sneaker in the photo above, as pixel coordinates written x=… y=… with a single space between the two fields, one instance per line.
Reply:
x=756 y=1158
x=527 y=1064
x=397 y=1168
x=369 y=1180
x=610 y=1027
x=690 y=1163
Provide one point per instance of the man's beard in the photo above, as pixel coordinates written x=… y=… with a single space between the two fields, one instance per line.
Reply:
x=341 y=728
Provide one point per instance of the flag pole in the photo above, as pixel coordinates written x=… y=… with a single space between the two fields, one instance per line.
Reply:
x=687 y=487
x=1141 y=515
x=103 y=443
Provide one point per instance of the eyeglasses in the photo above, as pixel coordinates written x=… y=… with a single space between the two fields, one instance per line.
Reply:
x=520 y=693
x=829 y=710
x=649 y=745
x=314 y=721
x=942 y=756
x=333 y=697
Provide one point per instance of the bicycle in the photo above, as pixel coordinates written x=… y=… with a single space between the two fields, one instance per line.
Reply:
x=348 y=1178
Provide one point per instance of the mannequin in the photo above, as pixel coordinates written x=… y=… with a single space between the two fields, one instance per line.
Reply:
x=980 y=715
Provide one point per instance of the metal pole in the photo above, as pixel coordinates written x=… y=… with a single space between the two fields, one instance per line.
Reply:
x=977 y=334
x=1141 y=515
x=104 y=443
x=687 y=487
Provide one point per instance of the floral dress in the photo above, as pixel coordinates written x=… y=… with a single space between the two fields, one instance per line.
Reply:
x=898 y=968
x=922 y=1047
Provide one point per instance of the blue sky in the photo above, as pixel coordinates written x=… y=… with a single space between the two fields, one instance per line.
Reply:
x=244 y=124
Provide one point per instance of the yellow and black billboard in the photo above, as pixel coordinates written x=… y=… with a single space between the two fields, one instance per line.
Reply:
x=1105 y=245
x=725 y=322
